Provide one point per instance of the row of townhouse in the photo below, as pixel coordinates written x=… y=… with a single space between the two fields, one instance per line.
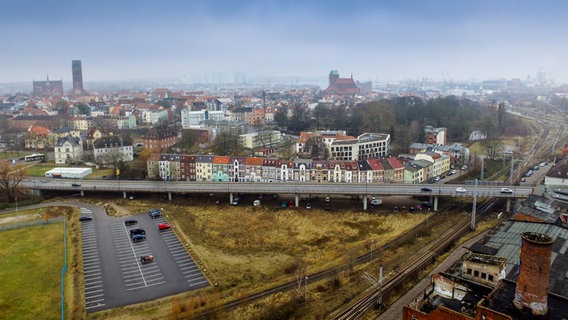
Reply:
x=256 y=169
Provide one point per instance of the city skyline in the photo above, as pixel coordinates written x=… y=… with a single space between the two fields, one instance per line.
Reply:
x=371 y=40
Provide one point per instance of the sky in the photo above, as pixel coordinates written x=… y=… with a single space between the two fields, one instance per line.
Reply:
x=377 y=40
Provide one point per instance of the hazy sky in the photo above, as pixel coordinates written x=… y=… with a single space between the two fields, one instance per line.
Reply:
x=373 y=40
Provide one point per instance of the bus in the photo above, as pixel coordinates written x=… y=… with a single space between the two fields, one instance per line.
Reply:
x=35 y=157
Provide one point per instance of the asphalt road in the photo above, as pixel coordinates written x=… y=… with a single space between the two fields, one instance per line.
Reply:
x=114 y=275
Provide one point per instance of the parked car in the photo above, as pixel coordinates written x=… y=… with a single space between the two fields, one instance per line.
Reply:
x=328 y=206
x=506 y=190
x=284 y=204
x=146 y=259
x=138 y=238
x=327 y=199
x=85 y=218
x=256 y=203
x=376 y=201
x=137 y=231
x=426 y=189
x=236 y=201
x=308 y=206
x=155 y=213
x=75 y=184
x=130 y=222
x=163 y=226
x=461 y=190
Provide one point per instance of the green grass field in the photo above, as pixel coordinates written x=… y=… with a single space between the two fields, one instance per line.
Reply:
x=30 y=265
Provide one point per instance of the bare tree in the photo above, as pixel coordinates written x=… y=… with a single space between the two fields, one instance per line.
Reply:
x=10 y=181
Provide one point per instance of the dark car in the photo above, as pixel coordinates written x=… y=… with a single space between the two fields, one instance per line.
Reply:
x=154 y=213
x=146 y=259
x=85 y=218
x=130 y=222
x=137 y=231
x=75 y=184
x=327 y=206
x=425 y=189
x=138 y=238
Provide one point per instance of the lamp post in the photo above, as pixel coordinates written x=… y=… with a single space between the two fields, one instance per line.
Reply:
x=305 y=288
x=16 y=203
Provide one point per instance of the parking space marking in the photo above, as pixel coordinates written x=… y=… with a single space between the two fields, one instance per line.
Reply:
x=92 y=277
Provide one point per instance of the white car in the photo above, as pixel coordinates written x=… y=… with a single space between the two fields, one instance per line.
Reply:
x=376 y=202
x=506 y=190
x=461 y=190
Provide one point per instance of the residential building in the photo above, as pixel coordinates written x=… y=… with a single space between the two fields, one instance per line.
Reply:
x=69 y=149
x=435 y=136
x=196 y=118
x=365 y=146
x=111 y=150
x=161 y=138
x=261 y=139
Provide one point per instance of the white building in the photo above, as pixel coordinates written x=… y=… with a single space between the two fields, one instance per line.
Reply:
x=68 y=149
x=112 y=149
x=154 y=116
x=262 y=139
x=194 y=118
x=365 y=146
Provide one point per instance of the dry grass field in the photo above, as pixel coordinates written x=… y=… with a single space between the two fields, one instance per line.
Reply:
x=245 y=249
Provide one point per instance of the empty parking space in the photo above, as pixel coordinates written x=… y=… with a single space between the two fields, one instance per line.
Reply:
x=94 y=293
x=183 y=261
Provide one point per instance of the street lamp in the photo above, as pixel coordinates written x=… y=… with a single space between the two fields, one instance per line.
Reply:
x=16 y=203
x=305 y=288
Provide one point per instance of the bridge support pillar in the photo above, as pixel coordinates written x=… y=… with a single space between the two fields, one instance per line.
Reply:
x=365 y=202
x=124 y=194
x=435 y=204
x=82 y=193
x=230 y=198
x=297 y=200
x=170 y=196
x=508 y=205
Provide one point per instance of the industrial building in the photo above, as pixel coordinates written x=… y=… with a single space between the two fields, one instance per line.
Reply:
x=69 y=173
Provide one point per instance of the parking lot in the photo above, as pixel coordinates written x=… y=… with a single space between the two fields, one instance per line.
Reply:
x=114 y=273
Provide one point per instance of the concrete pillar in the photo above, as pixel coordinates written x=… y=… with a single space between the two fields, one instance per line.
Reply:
x=124 y=194
x=435 y=204
x=297 y=200
x=170 y=196
x=230 y=198
x=82 y=193
x=364 y=202
x=508 y=205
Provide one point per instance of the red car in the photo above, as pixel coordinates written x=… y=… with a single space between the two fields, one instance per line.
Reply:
x=163 y=226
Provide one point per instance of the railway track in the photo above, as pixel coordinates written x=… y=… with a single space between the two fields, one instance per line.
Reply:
x=419 y=261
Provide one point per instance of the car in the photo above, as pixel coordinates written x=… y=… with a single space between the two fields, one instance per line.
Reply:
x=506 y=190
x=274 y=196
x=395 y=209
x=523 y=179
x=75 y=184
x=256 y=203
x=308 y=206
x=327 y=206
x=137 y=231
x=426 y=189
x=376 y=202
x=85 y=218
x=431 y=181
x=464 y=167
x=284 y=204
x=163 y=226
x=291 y=204
x=449 y=173
x=327 y=199
x=146 y=259
x=544 y=163
x=130 y=222
x=154 y=213
x=138 y=238
x=236 y=201
x=454 y=171
x=437 y=179
x=461 y=190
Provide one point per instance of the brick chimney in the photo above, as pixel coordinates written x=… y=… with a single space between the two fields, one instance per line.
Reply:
x=532 y=282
